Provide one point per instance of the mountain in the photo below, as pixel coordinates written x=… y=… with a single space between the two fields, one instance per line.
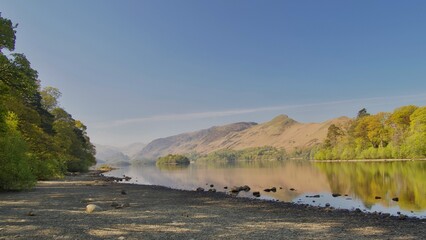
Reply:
x=132 y=149
x=280 y=132
x=198 y=141
x=111 y=155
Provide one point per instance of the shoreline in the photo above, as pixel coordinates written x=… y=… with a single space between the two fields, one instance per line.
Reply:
x=371 y=160
x=56 y=210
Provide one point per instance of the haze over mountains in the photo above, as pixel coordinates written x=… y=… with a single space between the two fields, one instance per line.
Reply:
x=117 y=156
x=280 y=132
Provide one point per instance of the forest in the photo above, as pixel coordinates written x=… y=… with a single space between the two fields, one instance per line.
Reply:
x=39 y=140
x=248 y=154
x=400 y=134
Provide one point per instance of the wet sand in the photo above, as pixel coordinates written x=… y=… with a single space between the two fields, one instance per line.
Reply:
x=56 y=210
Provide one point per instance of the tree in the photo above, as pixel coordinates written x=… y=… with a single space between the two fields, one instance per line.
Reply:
x=50 y=96
x=334 y=133
x=7 y=34
x=416 y=142
x=362 y=113
x=15 y=171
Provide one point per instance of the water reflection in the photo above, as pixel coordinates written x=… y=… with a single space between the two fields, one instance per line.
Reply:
x=383 y=180
x=295 y=181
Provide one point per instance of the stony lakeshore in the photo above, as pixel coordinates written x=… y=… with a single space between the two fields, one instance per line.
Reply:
x=57 y=210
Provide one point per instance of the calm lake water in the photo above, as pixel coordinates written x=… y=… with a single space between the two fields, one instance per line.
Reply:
x=369 y=186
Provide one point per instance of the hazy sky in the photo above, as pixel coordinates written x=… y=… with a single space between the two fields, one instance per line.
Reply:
x=133 y=71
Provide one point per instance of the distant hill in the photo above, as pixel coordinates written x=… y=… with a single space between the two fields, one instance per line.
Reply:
x=280 y=132
x=198 y=141
x=111 y=155
x=132 y=149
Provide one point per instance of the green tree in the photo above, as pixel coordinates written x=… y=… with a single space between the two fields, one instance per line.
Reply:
x=15 y=171
x=416 y=142
x=7 y=34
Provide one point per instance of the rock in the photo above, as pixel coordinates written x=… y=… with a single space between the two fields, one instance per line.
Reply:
x=200 y=189
x=395 y=199
x=327 y=205
x=123 y=192
x=225 y=187
x=281 y=187
x=93 y=208
x=121 y=238
x=256 y=194
x=245 y=188
x=212 y=190
x=313 y=196
x=267 y=190
x=31 y=214
x=126 y=205
x=377 y=197
x=336 y=195
x=211 y=185
x=114 y=204
x=358 y=210
x=236 y=189
x=292 y=189
x=402 y=217
x=274 y=189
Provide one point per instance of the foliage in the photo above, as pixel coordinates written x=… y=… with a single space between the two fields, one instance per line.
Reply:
x=15 y=171
x=39 y=140
x=400 y=134
x=174 y=159
x=249 y=154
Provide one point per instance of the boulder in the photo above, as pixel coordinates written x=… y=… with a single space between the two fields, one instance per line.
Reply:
x=245 y=188
x=93 y=208
x=200 y=189
x=395 y=199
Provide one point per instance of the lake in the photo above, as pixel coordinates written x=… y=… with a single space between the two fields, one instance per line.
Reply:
x=369 y=186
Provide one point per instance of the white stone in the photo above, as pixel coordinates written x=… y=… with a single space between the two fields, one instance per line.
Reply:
x=92 y=208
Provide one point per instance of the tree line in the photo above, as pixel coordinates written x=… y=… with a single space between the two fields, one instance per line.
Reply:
x=39 y=140
x=385 y=135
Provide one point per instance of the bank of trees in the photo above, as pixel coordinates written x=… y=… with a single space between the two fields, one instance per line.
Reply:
x=38 y=138
x=248 y=154
x=173 y=159
x=400 y=134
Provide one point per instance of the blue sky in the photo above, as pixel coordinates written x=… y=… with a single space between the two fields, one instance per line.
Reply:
x=135 y=70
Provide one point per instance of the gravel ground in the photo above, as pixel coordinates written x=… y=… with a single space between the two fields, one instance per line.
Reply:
x=56 y=210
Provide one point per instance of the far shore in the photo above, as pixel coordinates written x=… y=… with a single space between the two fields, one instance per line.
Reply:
x=56 y=210
x=372 y=160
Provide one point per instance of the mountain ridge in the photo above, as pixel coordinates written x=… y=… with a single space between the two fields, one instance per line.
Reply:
x=280 y=132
